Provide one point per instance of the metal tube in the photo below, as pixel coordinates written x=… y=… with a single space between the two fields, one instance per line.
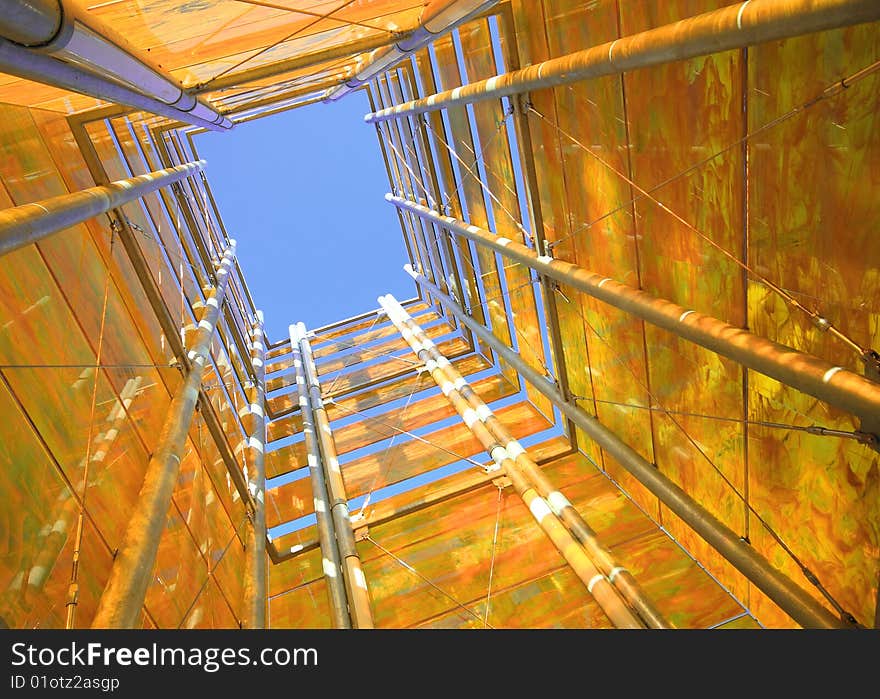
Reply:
x=732 y=27
x=68 y=35
x=451 y=382
x=355 y=581
x=28 y=223
x=24 y=63
x=255 y=581
x=794 y=601
x=837 y=386
x=288 y=65
x=30 y=22
x=602 y=558
x=535 y=211
x=123 y=597
x=437 y=18
x=331 y=561
x=170 y=327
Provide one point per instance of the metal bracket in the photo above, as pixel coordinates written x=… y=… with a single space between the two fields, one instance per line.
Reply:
x=871 y=360
x=871 y=425
x=134 y=226
x=558 y=289
x=502 y=482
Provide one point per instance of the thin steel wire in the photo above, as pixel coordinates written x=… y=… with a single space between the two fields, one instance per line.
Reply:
x=428 y=197
x=808 y=574
x=211 y=566
x=494 y=549
x=650 y=516
x=483 y=185
x=833 y=89
x=339 y=372
x=74 y=571
x=408 y=434
x=829 y=92
x=812 y=429
x=506 y=295
x=412 y=570
x=277 y=43
x=384 y=472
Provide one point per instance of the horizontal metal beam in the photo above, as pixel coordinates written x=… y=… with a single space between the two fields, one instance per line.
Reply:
x=732 y=27
x=439 y=492
x=28 y=223
x=837 y=386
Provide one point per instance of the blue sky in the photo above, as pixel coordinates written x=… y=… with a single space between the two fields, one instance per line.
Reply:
x=303 y=194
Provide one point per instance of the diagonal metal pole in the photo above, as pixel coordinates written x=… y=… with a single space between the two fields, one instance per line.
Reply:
x=28 y=223
x=359 y=604
x=330 y=559
x=451 y=383
x=123 y=597
x=793 y=600
x=619 y=576
x=255 y=585
x=733 y=27
x=833 y=384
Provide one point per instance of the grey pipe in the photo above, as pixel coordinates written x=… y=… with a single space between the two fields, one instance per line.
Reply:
x=123 y=597
x=837 y=386
x=736 y=26
x=793 y=600
x=62 y=45
x=255 y=581
x=28 y=223
x=330 y=559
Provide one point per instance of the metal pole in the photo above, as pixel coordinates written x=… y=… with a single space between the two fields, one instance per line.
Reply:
x=331 y=561
x=525 y=144
x=437 y=18
x=732 y=27
x=123 y=596
x=255 y=586
x=619 y=576
x=799 y=605
x=61 y=44
x=28 y=223
x=451 y=382
x=837 y=386
x=355 y=581
x=24 y=63
x=288 y=65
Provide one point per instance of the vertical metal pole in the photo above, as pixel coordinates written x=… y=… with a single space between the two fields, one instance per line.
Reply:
x=451 y=383
x=330 y=560
x=798 y=604
x=355 y=581
x=123 y=596
x=255 y=587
